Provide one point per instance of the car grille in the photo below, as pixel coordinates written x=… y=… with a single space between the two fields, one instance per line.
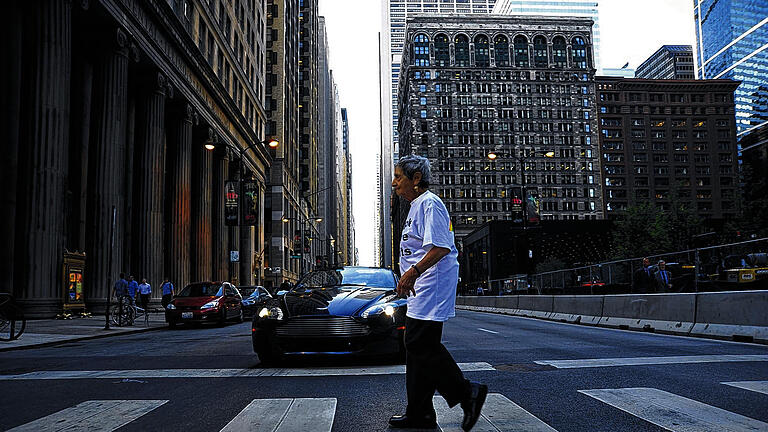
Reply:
x=322 y=327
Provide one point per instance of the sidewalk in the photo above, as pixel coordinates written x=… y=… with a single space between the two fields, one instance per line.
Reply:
x=54 y=331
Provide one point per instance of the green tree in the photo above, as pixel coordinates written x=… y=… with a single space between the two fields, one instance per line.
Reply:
x=642 y=230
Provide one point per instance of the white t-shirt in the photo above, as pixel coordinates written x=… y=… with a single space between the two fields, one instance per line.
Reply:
x=429 y=225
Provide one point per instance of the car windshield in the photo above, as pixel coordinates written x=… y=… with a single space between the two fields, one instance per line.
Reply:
x=355 y=276
x=247 y=291
x=201 y=290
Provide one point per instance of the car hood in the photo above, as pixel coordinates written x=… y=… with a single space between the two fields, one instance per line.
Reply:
x=193 y=301
x=337 y=301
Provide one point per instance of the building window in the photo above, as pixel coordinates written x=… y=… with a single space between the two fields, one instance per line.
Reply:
x=423 y=114
x=461 y=44
x=442 y=51
x=579 y=52
x=482 y=51
x=540 y=57
x=559 y=52
x=420 y=50
x=501 y=47
x=521 y=51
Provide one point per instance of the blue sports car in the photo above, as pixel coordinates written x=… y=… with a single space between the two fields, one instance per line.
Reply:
x=349 y=310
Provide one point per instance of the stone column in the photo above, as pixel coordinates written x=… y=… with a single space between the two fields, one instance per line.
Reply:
x=106 y=172
x=202 y=161
x=10 y=94
x=220 y=235
x=43 y=154
x=149 y=172
x=233 y=232
x=179 y=194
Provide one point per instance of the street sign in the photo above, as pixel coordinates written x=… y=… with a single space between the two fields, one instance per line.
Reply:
x=230 y=203
x=250 y=203
x=234 y=256
x=277 y=270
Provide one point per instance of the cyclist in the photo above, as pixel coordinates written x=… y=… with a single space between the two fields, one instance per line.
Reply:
x=133 y=288
x=121 y=287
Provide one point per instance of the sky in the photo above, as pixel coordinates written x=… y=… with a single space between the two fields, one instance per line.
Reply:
x=630 y=31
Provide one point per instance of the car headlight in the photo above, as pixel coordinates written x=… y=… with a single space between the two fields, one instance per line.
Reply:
x=170 y=306
x=271 y=313
x=210 y=305
x=387 y=309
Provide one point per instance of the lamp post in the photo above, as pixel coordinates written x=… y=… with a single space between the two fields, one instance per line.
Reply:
x=210 y=145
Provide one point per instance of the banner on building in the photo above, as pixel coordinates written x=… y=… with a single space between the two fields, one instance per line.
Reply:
x=516 y=204
x=532 y=203
x=250 y=202
x=231 y=199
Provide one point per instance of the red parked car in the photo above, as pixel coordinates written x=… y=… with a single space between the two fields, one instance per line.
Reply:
x=205 y=302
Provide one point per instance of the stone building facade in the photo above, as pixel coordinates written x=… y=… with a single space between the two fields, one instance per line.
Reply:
x=517 y=87
x=109 y=107
x=668 y=62
x=664 y=141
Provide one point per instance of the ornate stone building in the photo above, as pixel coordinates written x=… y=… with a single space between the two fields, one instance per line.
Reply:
x=107 y=107
x=500 y=104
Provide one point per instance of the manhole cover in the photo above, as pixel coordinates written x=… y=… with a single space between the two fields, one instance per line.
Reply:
x=523 y=367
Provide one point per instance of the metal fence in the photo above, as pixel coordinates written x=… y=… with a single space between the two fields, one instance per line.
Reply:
x=728 y=267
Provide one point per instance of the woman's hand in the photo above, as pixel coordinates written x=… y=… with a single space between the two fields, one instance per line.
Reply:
x=405 y=286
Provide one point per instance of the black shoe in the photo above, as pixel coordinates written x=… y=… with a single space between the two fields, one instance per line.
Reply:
x=473 y=405
x=407 y=422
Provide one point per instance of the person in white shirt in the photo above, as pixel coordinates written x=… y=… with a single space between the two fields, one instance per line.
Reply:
x=430 y=273
x=144 y=291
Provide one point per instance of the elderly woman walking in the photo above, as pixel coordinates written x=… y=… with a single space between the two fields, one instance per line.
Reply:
x=430 y=272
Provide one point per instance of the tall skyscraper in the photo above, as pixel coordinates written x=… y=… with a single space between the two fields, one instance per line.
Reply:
x=732 y=42
x=569 y=8
x=391 y=42
x=510 y=116
x=668 y=62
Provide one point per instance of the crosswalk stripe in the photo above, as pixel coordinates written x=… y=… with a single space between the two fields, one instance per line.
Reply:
x=675 y=413
x=638 y=361
x=229 y=373
x=285 y=415
x=499 y=415
x=755 y=386
x=101 y=415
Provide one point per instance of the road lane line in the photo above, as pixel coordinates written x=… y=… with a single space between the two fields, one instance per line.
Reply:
x=755 y=386
x=487 y=331
x=101 y=415
x=638 y=361
x=229 y=373
x=675 y=413
x=499 y=415
x=285 y=415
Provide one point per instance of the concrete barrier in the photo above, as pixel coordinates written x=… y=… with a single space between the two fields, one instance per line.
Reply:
x=739 y=315
x=536 y=306
x=583 y=309
x=663 y=313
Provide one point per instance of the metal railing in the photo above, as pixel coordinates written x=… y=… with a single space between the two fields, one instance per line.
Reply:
x=734 y=266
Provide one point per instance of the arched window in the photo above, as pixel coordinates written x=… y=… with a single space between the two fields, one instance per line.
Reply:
x=482 y=51
x=579 y=52
x=461 y=44
x=442 y=50
x=501 y=50
x=521 y=52
x=540 y=57
x=559 y=56
x=420 y=50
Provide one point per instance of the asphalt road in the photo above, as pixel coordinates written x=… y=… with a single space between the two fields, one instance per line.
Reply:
x=562 y=396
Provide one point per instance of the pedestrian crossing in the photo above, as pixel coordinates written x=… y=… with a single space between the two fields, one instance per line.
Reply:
x=667 y=410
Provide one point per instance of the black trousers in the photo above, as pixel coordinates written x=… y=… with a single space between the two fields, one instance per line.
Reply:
x=430 y=367
x=167 y=300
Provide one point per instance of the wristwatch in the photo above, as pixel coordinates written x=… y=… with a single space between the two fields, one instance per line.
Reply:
x=416 y=268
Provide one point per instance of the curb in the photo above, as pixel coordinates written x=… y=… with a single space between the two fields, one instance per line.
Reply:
x=83 y=338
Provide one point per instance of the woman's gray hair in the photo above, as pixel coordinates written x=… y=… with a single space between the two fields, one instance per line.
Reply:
x=412 y=164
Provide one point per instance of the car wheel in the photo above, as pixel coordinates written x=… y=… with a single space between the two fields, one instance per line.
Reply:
x=223 y=319
x=267 y=357
x=172 y=324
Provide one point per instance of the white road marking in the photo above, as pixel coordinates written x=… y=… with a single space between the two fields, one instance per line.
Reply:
x=499 y=415
x=228 y=373
x=285 y=415
x=487 y=331
x=101 y=415
x=637 y=361
x=755 y=386
x=675 y=413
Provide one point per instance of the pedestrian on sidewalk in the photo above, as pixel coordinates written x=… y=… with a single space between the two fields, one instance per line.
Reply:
x=145 y=290
x=121 y=287
x=663 y=278
x=644 y=280
x=168 y=292
x=430 y=273
x=133 y=289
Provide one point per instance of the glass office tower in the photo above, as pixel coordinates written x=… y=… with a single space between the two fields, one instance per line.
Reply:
x=732 y=42
x=569 y=8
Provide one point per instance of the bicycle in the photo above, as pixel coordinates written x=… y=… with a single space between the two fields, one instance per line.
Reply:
x=12 y=321
x=125 y=312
